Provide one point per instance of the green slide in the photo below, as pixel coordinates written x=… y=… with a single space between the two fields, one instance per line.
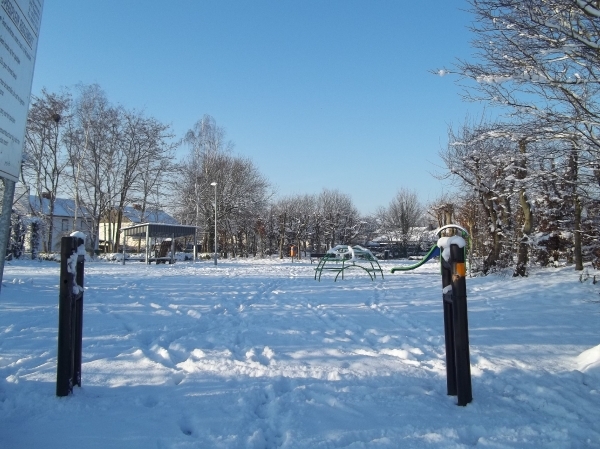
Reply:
x=434 y=251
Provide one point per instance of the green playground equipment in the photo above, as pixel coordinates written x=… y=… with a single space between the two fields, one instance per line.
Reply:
x=435 y=250
x=345 y=257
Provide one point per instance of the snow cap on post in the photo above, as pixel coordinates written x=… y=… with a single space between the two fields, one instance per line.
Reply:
x=445 y=242
x=81 y=247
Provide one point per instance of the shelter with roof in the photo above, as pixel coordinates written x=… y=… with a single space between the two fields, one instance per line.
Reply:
x=167 y=232
x=132 y=215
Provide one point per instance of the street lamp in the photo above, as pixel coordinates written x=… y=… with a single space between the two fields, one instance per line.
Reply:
x=215 y=186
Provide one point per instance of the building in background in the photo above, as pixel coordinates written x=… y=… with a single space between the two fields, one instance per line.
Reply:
x=32 y=222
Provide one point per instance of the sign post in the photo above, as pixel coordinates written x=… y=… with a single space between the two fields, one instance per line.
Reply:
x=19 y=31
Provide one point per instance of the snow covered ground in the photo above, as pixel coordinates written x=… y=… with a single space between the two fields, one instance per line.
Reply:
x=257 y=354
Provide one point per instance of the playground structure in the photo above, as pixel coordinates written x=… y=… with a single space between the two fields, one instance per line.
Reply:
x=435 y=250
x=452 y=248
x=345 y=257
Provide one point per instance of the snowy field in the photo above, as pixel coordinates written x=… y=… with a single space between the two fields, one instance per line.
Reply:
x=257 y=354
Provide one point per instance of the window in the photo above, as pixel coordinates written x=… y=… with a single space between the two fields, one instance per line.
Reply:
x=65 y=224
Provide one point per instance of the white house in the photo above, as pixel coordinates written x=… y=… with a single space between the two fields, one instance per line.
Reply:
x=33 y=214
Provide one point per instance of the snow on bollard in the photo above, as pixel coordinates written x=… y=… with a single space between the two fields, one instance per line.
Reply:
x=81 y=243
x=74 y=258
x=456 y=327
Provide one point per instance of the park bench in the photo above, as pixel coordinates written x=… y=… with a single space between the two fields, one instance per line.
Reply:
x=151 y=259
x=316 y=256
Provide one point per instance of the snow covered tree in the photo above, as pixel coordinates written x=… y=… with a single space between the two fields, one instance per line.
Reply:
x=538 y=61
x=483 y=163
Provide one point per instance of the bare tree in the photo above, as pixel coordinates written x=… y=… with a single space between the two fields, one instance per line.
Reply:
x=142 y=141
x=242 y=192
x=402 y=216
x=91 y=147
x=296 y=218
x=341 y=222
x=45 y=158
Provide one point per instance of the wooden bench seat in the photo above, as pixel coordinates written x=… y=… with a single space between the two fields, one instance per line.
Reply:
x=150 y=260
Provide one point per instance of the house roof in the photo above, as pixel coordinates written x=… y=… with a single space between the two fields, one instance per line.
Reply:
x=158 y=230
x=63 y=207
x=134 y=215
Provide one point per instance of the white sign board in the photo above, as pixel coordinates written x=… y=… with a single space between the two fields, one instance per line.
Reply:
x=19 y=30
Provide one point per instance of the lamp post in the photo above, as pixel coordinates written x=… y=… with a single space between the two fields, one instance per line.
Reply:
x=215 y=186
x=197 y=219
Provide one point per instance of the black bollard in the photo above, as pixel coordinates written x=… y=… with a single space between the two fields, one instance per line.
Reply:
x=70 y=316
x=460 y=325
x=449 y=327
x=456 y=326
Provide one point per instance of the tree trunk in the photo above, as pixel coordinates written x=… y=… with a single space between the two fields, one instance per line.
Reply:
x=50 y=225
x=281 y=236
x=523 y=253
x=118 y=227
x=492 y=258
x=574 y=179
x=577 y=236
x=317 y=246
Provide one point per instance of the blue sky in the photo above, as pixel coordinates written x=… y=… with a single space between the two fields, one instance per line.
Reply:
x=319 y=94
